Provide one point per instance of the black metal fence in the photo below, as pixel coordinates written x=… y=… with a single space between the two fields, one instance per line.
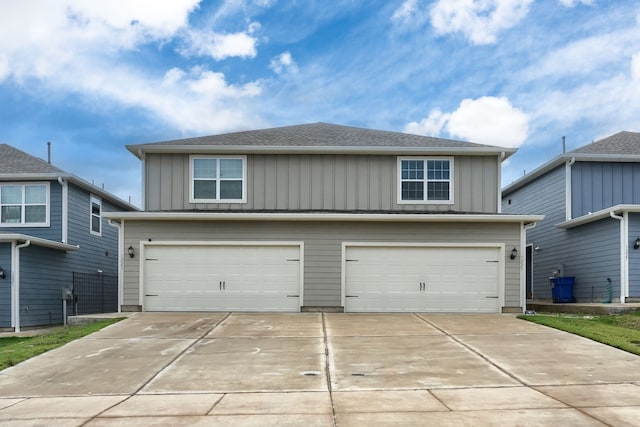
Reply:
x=94 y=293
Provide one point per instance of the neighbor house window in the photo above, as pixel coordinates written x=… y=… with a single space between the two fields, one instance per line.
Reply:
x=425 y=180
x=24 y=204
x=95 y=206
x=218 y=179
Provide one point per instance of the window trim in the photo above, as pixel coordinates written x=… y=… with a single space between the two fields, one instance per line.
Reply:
x=21 y=224
x=425 y=201
x=93 y=198
x=192 y=199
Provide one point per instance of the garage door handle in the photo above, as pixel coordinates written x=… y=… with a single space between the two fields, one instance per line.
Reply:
x=150 y=295
x=293 y=296
x=492 y=297
x=351 y=296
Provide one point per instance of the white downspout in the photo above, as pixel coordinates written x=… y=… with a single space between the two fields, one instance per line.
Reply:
x=623 y=253
x=120 y=262
x=523 y=260
x=142 y=157
x=568 y=203
x=65 y=209
x=500 y=160
x=15 y=282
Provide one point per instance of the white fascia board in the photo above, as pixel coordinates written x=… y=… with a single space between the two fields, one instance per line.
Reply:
x=139 y=151
x=258 y=216
x=596 y=216
x=37 y=241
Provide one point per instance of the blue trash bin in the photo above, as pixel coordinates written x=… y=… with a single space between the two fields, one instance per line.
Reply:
x=562 y=289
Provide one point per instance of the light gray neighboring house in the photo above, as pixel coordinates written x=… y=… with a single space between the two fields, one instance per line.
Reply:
x=591 y=201
x=52 y=225
x=322 y=217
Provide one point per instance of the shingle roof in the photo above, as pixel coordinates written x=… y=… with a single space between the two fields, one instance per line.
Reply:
x=620 y=147
x=18 y=165
x=16 y=161
x=318 y=135
x=621 y=143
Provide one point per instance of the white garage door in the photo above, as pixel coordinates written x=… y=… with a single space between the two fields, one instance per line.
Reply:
x=422 y=279
x=222 y=278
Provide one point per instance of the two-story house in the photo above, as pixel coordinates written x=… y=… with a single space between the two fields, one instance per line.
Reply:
x=322 y=217
x=591 y=201
x=52 y=225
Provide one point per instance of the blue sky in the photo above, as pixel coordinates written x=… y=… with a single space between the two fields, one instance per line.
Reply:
x=93 y=76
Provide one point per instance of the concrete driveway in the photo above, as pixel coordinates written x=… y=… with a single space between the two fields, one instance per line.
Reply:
x=317 y=369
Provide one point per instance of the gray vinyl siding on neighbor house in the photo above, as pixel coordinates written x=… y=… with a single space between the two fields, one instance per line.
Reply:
x=41 y=283
x=321 y=182
x=592 y=254
x=96 y=252
x=600 y=185
x=54 y=230
x=543 y=196
x=322 y=246
x=634 y=256
x=5 y=286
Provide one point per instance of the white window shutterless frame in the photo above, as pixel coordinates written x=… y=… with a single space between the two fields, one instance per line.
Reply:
x=218 y=179
x=425 y=180
x=24 y=205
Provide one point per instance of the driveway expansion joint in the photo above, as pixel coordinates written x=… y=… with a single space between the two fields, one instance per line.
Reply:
x=474 y=351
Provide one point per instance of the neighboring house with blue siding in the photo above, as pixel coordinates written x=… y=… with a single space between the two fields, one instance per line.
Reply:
x=591 y=201
x=51 y=226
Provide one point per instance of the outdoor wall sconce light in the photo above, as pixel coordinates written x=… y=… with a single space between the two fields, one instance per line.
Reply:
x=2 y=274
x=636 y=244
x=514 y=253
x=537 y=249
x=131 y=251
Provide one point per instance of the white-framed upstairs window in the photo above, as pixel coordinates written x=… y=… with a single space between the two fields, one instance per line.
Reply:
x=24 y=204
x=425 y=180
x=95 y=215
x=218 y=179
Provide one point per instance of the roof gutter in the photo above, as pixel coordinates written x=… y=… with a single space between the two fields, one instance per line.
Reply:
x=260 y=216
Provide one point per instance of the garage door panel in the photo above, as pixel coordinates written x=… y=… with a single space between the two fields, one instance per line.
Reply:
x=427 y=279
x=222 y=278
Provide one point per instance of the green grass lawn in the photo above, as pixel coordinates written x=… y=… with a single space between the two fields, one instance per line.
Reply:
x=14 y=350
x=621 y=330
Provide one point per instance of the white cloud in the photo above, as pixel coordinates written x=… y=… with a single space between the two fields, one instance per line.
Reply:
x=431 y=125
x=635 y=67
x=75 y=47
x=410 y=12
x=572 y=3
x=221 y=46
x=479 y=20
x=486 y=120
x=39 y=38
x=585 y=56
x=283 y=63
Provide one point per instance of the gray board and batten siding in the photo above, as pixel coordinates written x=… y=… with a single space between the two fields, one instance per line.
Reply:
x=322 y=246
x=600 y=185
x=330 y=182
